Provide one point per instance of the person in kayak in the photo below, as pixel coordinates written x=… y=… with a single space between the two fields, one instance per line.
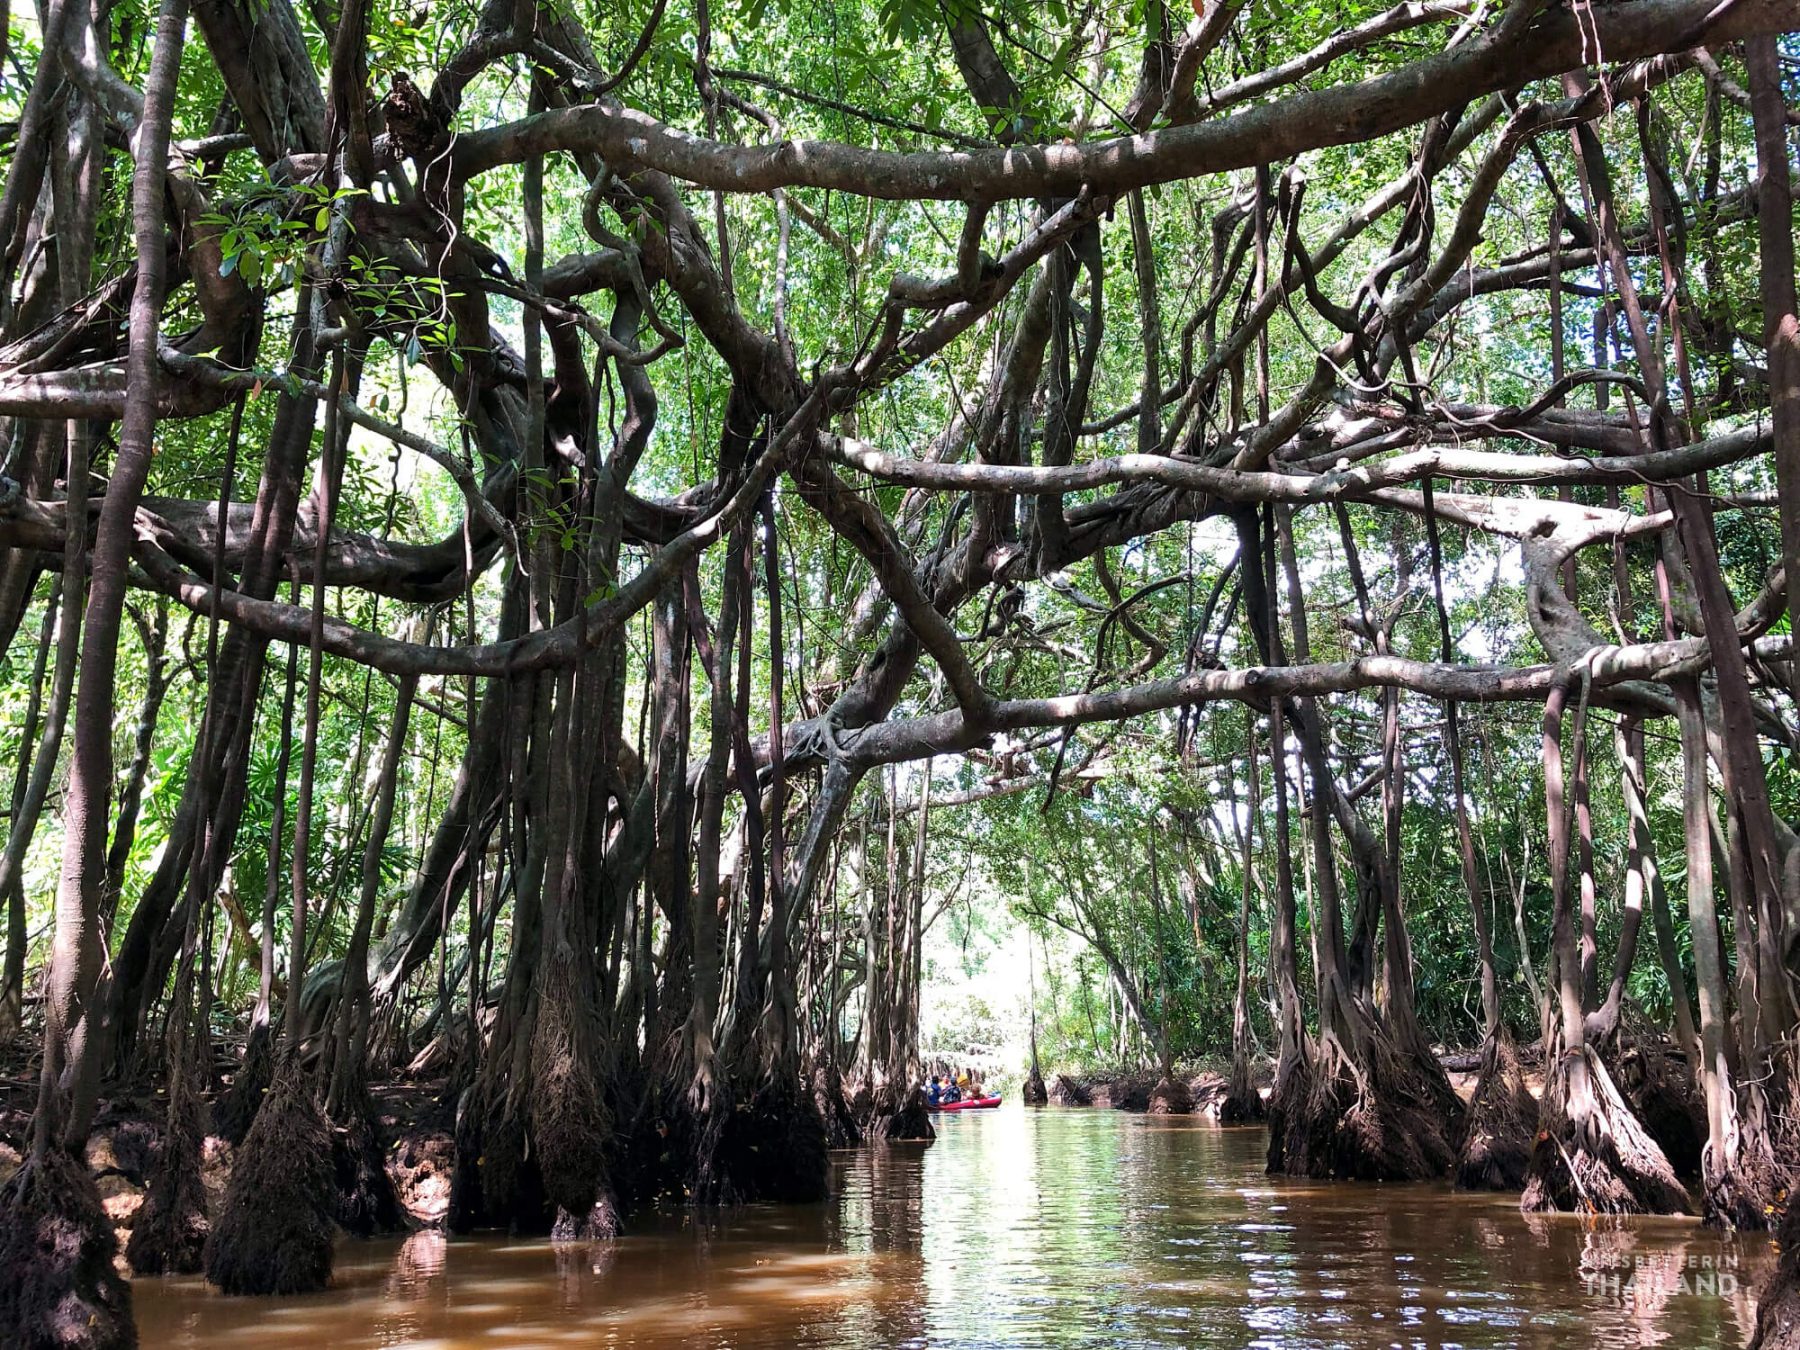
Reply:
x=935 y=1093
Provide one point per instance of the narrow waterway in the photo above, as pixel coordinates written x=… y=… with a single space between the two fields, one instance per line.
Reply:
x=1030 y=1228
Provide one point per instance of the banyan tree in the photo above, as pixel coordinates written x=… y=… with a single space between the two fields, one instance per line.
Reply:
x=518 y=519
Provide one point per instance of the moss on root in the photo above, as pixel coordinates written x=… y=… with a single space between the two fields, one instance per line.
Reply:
x=59 y=1289
x=275 y=1228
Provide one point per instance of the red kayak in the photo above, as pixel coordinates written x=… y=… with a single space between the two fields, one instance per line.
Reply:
x=972 y=1104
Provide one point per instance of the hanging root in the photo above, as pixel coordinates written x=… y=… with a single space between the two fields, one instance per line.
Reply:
x=59 y=1289
x=570 y=1125
x=275 y=1230
x=1496 y=1145
x=1369 y=1119
x=1591 y=1155
x=236 y=1110
x=773 y=1146
x=1034 y=1093
x=1170 y=1097
x=366 y=1201
x=169 y=1234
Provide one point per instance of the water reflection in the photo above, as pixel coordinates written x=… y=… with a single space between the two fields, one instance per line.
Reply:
x=1054 y=1229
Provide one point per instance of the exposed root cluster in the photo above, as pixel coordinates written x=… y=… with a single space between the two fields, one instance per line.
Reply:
x=367 y=1203
x=842 y=1130
x=1665 y=1095
x=1371 y=1121
x=235 y=1111
x=275 y=1228
x=1170 y=1097
x=59 y=1289
x=571 y=1128
x=170 y=1231
x=1590 y=1154
x=902 y=1119
x=773 y=1148
x=1497 y=1138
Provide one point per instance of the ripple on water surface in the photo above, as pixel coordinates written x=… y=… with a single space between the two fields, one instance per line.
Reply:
x=1030 y=1228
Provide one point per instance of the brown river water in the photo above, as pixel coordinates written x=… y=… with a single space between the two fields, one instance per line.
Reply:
x=1043 y=1228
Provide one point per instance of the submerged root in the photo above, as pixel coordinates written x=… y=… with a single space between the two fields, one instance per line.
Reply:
x=59 y=1289
x=1241 y=1103
x=169 y=1234
x=1496 y=1146
x=1170 y=1097
x=841 y=1127
x=1591 y=1155
x=275 y=1227
x=1034 y=1093
x=236 y=1111
x=1374 y=1120
x=772 y=1147
x=570 y=1125
x=366 y=1201
x=903 y=1119
x=599 y=1224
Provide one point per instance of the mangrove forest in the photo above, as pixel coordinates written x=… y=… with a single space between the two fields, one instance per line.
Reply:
x=624 y=619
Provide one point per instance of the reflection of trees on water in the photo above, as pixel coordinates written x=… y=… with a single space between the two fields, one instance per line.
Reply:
x=1078 y=1229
